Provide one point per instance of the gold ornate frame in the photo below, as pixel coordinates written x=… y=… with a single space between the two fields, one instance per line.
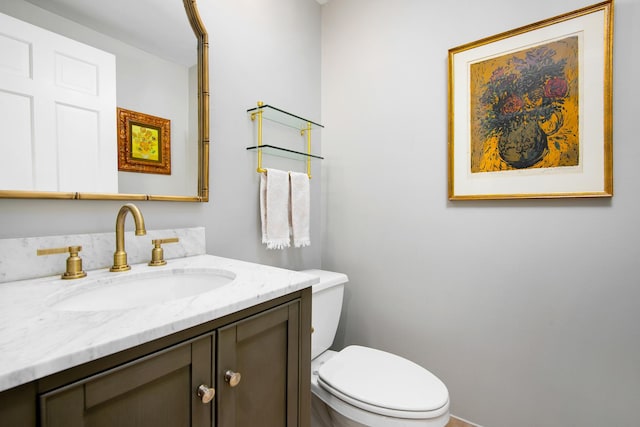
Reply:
x=485 y=108
x=151 y=155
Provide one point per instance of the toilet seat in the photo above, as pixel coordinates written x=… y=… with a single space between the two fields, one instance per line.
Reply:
x=383 y=383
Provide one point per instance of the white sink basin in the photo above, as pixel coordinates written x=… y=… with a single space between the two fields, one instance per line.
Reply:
x=141 y=289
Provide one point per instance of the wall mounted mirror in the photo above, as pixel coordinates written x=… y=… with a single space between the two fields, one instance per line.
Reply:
x=60 y=142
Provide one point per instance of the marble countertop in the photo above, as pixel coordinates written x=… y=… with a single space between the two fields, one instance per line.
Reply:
x=37 y=340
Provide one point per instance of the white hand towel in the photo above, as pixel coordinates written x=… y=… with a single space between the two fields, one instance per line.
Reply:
x=274 y=208
x=300 y=208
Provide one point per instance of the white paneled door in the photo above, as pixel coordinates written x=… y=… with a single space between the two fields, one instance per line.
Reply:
x=57 y=112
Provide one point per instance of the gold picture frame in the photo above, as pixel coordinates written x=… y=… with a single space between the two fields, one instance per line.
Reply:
x=144 y=143
x=530 y=110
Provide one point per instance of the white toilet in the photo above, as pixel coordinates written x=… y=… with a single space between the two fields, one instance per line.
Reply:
x=360 y=386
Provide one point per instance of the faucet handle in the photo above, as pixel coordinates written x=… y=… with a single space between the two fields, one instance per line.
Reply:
x=157 y=253
x=74 y=262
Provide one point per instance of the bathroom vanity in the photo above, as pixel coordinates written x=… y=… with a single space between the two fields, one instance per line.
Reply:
x=237 y=355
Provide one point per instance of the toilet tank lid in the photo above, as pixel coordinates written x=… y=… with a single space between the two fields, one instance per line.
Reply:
x=327 y=278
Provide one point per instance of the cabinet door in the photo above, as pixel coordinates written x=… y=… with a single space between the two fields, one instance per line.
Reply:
x=265 y=350
x=157 y=390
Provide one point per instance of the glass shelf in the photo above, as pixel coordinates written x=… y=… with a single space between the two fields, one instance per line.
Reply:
x=277 y=115
x=284 y=152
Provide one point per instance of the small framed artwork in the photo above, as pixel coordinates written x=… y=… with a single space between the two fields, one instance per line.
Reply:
x=144 y=143
x=530 y=110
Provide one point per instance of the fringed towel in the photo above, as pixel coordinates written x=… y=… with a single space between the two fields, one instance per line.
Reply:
x=274 y=208
x=300 y=208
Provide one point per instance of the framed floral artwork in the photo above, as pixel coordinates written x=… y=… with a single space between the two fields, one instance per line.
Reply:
x=144 y=143
x=530 y=110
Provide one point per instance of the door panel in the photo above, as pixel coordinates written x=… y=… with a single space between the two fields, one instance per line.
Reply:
x=264 y=349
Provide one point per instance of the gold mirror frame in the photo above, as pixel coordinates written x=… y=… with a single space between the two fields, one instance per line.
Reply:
x=203 y=134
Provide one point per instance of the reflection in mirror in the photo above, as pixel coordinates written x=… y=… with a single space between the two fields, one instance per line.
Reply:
x=157 y=72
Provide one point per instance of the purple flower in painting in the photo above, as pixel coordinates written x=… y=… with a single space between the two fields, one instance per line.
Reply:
x=539 y=56
x=497 y=74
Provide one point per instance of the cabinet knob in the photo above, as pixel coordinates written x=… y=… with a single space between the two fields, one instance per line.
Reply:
x=206 y=393
x=233 y=378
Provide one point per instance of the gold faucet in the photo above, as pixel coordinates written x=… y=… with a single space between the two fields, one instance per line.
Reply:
x=120 y=256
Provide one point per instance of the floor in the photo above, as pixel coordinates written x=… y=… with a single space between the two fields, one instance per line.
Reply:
x=454 y=422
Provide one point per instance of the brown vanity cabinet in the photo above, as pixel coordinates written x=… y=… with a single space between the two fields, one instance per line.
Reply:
x=257 y=360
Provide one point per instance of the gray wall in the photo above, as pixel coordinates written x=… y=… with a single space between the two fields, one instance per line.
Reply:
x=268 y=50
x=529 y=309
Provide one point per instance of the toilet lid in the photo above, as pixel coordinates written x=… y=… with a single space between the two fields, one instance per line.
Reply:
x=381 y=380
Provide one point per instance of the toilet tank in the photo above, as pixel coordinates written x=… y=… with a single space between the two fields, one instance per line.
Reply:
x=326 y=307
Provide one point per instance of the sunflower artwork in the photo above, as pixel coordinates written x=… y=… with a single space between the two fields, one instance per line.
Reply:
x=145 y=142
x=524 y=109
